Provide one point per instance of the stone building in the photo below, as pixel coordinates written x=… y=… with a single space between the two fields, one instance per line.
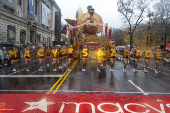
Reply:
x=28 y=20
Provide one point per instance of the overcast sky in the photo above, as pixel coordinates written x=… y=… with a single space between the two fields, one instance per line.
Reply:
x=107 y=9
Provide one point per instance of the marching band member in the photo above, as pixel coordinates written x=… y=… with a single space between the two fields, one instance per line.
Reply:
x=48 y=52
x=70 y=56
x=55 y=54
x=137 y=55
x=113 y=56
x=126 y=54
x=27 y=56
x=104 y=58
x=99 y=57
x=64 y=55
x=158 y=57
x=85 y=53
x=52 y=54
x=76 y=54
x=41 y=54
x=14 y=58
x=148 y=54
x=60 y=56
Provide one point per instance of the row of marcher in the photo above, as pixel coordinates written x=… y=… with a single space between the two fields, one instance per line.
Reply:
x=64 y=55
x=103 y=54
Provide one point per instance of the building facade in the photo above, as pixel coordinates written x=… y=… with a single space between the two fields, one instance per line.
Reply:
x=28 y=21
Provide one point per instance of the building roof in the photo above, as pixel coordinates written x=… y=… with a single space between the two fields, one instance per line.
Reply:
x=79 y=12
x=56 y=4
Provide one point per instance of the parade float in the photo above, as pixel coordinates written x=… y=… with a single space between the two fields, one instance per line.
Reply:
x=90 y=24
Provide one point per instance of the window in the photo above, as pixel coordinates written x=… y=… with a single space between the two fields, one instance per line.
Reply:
x=36 y=7
x=19 y=2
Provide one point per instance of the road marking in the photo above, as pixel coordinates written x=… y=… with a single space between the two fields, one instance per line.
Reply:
x=29 y=76
x=58 y=80
x=72 y=91
x=153 y=69
x=64 y=79
x=138 y=87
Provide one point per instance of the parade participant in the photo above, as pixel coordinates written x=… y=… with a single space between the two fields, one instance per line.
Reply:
x=104 y=57
x=113 y=56
x=41 y=54
x=6 y=56
x=85 y=53
x=55 y=54
x=52 y=54
x=70 y=56
x=76 y=54
x=48 y=52
x=27 y=56
x=126 y=54
x=148 y=54
x=64 y=55
x=158 y=57
x=108 y=53
x=1 y=57
x=10 y=56
x=137 y=55
x=14 y=59
x=99 y=57
x=142 y=52
x=60 y=56
x=132 y=56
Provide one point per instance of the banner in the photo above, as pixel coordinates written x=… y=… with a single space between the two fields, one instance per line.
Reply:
x=84 y=103
x=9 y=3
x=11 y=33
x=92 y=39
x=50 y=41
x=31 y=9
x=46 y=16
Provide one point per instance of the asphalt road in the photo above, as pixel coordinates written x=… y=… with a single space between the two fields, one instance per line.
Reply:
x=89 y=82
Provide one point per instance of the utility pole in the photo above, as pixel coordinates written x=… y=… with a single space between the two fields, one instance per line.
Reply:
x=149 y=17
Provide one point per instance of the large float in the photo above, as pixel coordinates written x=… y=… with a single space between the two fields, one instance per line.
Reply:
x=90 y=24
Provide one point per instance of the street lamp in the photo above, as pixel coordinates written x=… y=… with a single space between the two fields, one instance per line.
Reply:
x=149 y=17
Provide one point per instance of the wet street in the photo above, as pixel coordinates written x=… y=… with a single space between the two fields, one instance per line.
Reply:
x=89 y=82
x=96 y=92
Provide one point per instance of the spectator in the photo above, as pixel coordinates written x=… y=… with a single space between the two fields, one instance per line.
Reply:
x=1 y=57
x=6 y=56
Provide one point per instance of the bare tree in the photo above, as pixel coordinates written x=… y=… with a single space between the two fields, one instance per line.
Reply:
x=132 y=12
x=118 y=36
x=162 y=10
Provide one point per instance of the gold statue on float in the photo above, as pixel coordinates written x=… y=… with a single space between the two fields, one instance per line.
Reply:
x=90 y=22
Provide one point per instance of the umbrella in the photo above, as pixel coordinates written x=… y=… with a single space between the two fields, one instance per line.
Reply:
x=71 y=21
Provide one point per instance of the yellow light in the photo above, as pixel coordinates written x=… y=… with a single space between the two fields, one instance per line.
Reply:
x=100 y=53
x=85 y=52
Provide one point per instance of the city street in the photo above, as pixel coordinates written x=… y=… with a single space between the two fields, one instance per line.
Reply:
x=91 y=81
x=56 y=90
x=38 y=39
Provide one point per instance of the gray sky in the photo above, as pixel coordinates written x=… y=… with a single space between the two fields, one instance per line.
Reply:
x=107 y=9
